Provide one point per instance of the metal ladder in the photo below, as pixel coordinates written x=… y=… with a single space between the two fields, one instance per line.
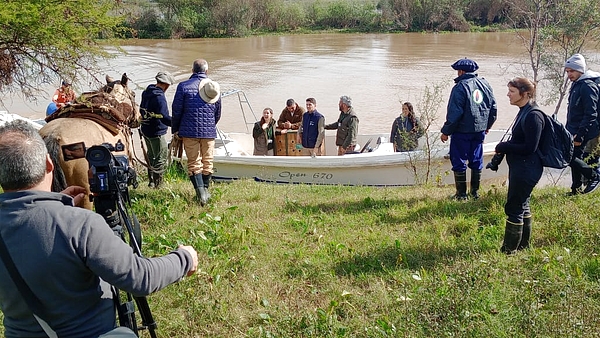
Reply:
x=243 y=101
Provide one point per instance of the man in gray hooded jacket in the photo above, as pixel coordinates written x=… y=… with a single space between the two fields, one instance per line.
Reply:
x=67 y=256
x=582 y=123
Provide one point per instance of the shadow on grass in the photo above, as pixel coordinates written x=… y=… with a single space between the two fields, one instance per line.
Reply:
x=414 y=209
x=411 y=257
x=474 y=226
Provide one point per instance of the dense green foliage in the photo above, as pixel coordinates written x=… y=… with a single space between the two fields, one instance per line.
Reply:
x=42 y=40
x=206 y=18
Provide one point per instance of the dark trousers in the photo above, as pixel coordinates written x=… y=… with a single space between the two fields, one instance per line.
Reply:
x=157 y=153
x=523 y=175
x=466 y=148
x=579 y=168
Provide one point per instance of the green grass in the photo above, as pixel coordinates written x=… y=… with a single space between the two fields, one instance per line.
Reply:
x=334 y=261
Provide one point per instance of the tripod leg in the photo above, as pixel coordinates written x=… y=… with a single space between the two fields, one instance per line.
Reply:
x=147 y=319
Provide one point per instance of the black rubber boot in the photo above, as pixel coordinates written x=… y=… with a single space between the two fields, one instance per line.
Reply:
x=206 y=181
x=150 y=178
x=199 y=187
x=460 y=181
x=475 y=180
x=158 y=178
x=526 y=234
x=512 y=238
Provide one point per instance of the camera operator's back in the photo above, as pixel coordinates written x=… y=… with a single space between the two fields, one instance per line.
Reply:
x=66 y=256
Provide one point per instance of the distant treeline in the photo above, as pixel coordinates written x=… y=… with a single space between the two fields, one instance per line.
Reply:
x=223 y=18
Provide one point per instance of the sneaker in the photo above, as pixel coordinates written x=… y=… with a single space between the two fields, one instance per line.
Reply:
x=592 y=185
x=575 y=192
x=460 y=197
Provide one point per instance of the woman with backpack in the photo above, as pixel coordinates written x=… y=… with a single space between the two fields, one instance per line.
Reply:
x=525 y=167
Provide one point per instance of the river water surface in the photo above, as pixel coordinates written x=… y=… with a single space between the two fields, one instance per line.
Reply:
x=377 y=71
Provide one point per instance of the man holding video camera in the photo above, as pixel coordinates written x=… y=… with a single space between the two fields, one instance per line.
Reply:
x=67 y=256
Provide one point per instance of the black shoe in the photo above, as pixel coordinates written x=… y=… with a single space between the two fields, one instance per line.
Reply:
x=592 y=185
x=575 y=192
x=460 y=197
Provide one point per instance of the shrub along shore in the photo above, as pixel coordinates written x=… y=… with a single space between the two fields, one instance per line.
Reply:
x=235 y=18
x=335 y=261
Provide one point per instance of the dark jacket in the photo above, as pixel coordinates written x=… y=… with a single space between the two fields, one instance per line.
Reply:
x=264 y=140
x=68 y=256
x=405 y=135
x=286 y=116
x=155 y=112
x=582 y=111
x=471 y=107
x=521 y=149
x=312 y=129
x=192 y=117
x=347 y=129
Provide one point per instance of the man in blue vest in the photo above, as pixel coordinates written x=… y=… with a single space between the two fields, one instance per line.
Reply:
x=312 y=130
x=471 y=113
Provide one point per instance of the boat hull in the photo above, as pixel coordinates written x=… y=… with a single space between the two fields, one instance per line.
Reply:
x=368 y=169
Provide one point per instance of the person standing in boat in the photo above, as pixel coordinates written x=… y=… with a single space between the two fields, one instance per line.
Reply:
x=346 y=126
x=524 y=165
x=264 y=134
x=406 y=129
x=290 y=117
x=155 y=122
x=471 y=113
x=312 y=130
x=196 y=112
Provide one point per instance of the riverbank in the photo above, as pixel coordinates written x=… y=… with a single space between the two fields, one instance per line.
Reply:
x=333 y=261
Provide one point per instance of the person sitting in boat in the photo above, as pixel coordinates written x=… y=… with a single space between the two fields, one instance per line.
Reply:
x=406 y=129
x=264 y=134
x=346 y=126
x=312 y=130
x=63 y=95
x=290 y=117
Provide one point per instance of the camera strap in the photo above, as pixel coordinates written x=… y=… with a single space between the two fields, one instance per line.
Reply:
x=28 y=295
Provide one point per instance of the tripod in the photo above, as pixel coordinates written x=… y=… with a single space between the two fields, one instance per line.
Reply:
x=113 y=209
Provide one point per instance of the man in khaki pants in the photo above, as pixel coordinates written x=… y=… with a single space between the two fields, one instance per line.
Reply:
x=196 y=112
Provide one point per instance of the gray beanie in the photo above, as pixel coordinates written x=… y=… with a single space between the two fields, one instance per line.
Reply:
x=576 y=62
x=346 y=100
x=164 y=77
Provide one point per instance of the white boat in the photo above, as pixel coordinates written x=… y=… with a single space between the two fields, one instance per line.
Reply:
x=8 y=117
x=376 y=165
x=379 y=167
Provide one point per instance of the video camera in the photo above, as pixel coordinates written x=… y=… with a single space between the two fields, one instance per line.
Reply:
x=109 y=174
x=110 y=177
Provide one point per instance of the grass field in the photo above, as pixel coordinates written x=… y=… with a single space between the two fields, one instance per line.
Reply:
x=334 y=261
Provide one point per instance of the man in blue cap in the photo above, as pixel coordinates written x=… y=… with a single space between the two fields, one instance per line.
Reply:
x=155 y=122
x=471 y=113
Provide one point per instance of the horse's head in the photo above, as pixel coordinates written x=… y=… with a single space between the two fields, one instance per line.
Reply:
x=125 y=98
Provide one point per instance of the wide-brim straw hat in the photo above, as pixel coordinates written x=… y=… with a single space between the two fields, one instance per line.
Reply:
x=209 y=90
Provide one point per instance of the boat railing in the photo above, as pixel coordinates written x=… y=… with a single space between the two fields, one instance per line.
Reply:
x=244 y=102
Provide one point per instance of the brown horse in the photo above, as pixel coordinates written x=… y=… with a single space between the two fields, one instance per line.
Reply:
x=103 y=116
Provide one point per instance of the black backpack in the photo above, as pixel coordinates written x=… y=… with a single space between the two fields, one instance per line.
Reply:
x=556 y=143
